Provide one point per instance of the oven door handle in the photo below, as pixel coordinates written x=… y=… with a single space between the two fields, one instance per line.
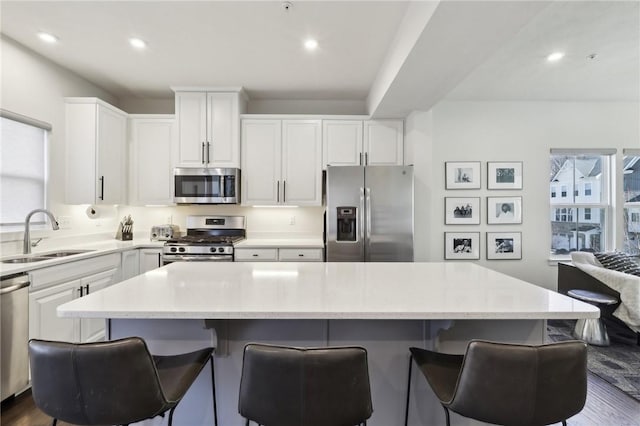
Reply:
x=224 y=258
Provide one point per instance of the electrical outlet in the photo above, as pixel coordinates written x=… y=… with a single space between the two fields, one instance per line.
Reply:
x=64 y=222
x=170 y=219
x=292 y=220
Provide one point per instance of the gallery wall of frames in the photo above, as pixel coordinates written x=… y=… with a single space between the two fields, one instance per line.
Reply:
x=502 y=242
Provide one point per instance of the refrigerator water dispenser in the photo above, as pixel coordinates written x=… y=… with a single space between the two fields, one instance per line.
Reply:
x=346 y=217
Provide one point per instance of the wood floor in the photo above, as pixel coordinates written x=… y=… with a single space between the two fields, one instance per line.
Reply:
x=606 y=405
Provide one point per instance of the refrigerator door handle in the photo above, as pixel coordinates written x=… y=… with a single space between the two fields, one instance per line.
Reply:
x=361 y=219
x=368 y=220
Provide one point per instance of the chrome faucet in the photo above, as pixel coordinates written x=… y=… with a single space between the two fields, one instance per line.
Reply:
x=26 y=248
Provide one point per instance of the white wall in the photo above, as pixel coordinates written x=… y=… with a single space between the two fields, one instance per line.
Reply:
x=508 y=131
x=295 y=106
x=32 y=85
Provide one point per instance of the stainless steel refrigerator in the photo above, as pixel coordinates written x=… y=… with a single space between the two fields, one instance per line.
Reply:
x=369 y=215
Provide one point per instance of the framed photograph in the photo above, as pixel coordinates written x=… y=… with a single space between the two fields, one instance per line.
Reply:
x=462 y=175
x=462 y=245
x=504 y=210
x=504 y=245
x=504 y=175
x=462 y=210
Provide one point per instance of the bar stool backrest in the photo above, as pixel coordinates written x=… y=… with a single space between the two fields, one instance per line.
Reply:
x=283 y=386
x=524 y=385
x=101 y=383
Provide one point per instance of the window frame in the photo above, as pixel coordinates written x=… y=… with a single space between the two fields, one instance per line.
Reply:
x=606 y=199
x=626 y=215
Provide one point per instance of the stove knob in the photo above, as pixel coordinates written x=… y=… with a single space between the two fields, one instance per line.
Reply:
x=212 y=249
x=173 y=249
x=221 y=249
x=181 y=249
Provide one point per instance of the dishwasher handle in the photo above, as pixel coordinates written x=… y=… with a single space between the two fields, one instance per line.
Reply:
x=14 y=283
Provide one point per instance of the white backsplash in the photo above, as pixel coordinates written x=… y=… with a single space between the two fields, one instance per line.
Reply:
x=75 y=225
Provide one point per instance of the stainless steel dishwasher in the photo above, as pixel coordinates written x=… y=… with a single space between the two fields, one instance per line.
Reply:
x=14 y=300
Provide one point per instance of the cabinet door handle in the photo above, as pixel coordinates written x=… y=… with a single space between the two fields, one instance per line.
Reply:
x=366 y=158
x=278 y=191
x=159 y=260
x=254 y=255
x=300 y=255
x=284 y=191
x=86 y=287
x=361 y=159
x=202 y=152
x=208 y=152
x=101 y=188
x=80 y=290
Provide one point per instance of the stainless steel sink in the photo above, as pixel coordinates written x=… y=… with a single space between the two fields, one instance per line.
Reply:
x=48 y=256
x=63 y=253
x=25 y=259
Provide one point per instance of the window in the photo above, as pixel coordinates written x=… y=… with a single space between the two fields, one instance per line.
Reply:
x=23 y=167
x=553 y=192
x=631 y=188
x=580 y=222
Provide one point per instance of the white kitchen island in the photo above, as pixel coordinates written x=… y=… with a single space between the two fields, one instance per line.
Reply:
x=385 y=307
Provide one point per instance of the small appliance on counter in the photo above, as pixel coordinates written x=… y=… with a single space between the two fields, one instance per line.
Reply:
x=164 y=232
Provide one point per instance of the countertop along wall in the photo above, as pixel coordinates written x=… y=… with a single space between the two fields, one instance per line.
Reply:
x=508 y=131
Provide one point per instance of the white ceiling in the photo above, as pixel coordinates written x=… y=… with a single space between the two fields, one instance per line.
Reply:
x=257 y=44
x=519 y=70
x=468 y=50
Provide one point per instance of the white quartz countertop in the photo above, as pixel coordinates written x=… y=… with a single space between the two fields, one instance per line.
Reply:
x=245 y=290
x=281 y=243
x=96 y=248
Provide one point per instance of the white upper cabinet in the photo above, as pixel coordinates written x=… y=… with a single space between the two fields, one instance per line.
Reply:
x=363 y=143
x=150 y=167
x=281 y=162
x=208 y=128
x=301 y=162
x=95 y=142
x=384 y=142
x=261 y=161
x=342 y=142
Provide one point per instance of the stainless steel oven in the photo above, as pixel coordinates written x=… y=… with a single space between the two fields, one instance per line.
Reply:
x=206 y=185
x=208 y=239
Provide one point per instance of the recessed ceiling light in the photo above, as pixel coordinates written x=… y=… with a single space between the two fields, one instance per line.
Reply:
x=137 y=43
x=555 y=56
x=311 y=44
x=49 y=38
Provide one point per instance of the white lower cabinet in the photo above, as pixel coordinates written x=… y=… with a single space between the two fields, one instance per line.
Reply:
x=150 y=259
x=130 y=264
x=278 y=254
x=54 y=286
x=44 y=322
x=93 y=329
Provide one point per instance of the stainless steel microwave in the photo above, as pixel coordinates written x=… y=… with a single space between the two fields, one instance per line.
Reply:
x=206 y=185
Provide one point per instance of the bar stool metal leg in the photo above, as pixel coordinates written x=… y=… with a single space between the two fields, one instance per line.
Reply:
x=446 y=413
x=213 y=392
x=406 y=410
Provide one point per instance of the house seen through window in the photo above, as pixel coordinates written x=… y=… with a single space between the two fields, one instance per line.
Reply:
x=579 y=216
x=23 y=171
x=631 y=188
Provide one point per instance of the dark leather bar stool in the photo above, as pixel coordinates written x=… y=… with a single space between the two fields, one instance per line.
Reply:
x=117 y=382
x=507 y=384
x=285 y=386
